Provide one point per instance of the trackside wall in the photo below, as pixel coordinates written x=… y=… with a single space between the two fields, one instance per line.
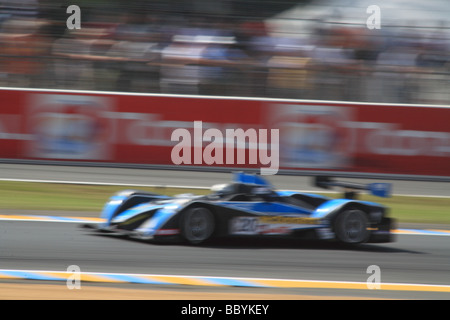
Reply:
x=314 y=136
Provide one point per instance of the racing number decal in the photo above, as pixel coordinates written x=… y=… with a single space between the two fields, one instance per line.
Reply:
x=244 y=225
x=270 y=224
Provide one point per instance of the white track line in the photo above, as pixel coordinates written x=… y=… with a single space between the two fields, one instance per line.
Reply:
x=104 y=183
x=174 y=186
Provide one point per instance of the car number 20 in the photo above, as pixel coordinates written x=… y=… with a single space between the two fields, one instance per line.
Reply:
x=244 y=225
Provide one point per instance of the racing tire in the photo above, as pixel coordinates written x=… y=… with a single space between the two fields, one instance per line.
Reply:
x=351 y=227
x=197 y=225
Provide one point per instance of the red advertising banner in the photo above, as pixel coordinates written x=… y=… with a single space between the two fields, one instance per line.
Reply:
x=412 y=140
x=217 y=131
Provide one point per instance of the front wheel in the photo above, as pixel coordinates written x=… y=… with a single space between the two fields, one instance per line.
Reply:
x=197 y=225
x=351 y=226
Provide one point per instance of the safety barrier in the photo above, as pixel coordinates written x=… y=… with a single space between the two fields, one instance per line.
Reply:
x=361 y=140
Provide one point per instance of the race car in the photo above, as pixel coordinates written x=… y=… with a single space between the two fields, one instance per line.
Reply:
x=250 y=206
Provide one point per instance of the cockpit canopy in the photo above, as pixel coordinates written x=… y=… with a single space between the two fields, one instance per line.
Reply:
x=230 y=189
x=245 y=187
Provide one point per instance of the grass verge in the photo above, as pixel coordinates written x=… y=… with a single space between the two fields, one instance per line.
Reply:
x=75 y=197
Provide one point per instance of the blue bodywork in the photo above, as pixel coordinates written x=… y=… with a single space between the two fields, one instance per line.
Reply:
x=269 y=211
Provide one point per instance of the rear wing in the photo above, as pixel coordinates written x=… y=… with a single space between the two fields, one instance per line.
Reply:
x=378 y=189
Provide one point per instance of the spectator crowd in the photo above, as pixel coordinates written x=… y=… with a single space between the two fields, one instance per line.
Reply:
x=173 y=53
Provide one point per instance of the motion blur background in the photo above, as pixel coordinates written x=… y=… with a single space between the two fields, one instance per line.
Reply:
x=302 y=49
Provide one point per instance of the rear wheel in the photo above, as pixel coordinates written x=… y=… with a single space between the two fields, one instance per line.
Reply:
x=351 y=226
x=197 y=225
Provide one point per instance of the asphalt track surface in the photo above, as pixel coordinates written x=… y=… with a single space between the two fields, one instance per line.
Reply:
x=412 y=259
x=55 y=246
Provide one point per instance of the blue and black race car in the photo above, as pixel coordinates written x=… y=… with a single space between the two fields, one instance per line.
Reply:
x=250 y=207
